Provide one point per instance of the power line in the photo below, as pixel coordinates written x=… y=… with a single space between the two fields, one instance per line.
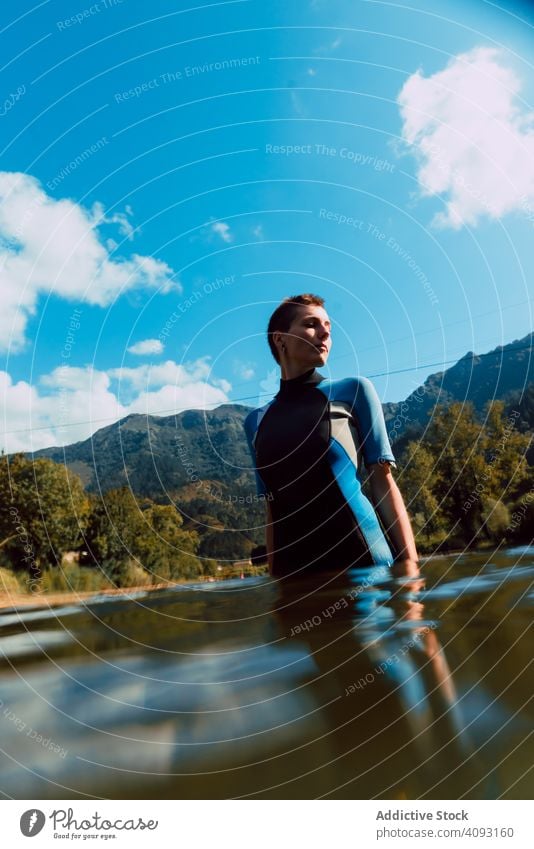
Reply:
x=261 y=394
x=441 y=327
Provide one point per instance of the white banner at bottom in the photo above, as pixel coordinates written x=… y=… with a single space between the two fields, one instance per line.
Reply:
x=267 y=824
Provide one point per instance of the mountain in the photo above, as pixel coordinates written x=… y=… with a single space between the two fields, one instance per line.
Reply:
x=503 y=373
x=202 y=456
x=155 y=455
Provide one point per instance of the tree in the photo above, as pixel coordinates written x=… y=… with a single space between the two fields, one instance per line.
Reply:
x=123 y=532
x=165 y=549
x=115 y=524
x=209 y=568
x=467 y=470
x=496 y=518
x=43 y=511
x=506 y=452
x=224 y=545
x=417 y=482
x=457 y=442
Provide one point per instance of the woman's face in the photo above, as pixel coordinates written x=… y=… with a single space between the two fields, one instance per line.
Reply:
x=308 y=339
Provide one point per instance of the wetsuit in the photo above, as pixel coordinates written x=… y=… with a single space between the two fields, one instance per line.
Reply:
x=307 y=446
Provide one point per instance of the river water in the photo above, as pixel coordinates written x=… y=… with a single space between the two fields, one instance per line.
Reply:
x=359 y=686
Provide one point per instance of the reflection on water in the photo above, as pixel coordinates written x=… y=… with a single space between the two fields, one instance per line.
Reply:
x=365 y=685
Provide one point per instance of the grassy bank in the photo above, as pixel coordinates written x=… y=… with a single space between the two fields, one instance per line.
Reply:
x=72 y=583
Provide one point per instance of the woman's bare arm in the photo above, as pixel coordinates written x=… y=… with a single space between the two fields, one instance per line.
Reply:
x=392 y=511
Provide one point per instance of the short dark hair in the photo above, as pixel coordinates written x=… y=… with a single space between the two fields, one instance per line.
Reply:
x=283 y=316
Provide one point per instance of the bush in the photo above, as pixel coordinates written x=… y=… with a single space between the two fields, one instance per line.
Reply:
x=521 y=520
x=497 y=518
x=73 y=578
x=127 y=573
x=209 y=568
x=8 y=582
x=186 y=566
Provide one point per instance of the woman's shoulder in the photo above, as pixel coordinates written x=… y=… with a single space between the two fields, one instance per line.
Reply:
x=348 y=389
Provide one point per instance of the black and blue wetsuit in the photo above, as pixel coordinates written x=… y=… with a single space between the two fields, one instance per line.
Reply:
x=308 y=445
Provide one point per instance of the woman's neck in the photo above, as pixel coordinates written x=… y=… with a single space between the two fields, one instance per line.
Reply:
x=288 y=372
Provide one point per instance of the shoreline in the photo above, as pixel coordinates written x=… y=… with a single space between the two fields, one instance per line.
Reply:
x=13 y=601
x=52 y=599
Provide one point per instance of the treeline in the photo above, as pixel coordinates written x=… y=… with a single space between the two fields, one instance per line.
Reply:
x=466 y=480
x=112 y=540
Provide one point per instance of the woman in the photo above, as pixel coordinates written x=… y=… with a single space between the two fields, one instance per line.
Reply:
x=308 y=445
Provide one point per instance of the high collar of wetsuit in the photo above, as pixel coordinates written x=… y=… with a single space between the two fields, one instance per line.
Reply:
x=296 y=385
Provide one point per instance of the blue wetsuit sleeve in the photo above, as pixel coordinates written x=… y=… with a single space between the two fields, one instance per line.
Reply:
x=371 y=425
x=250 y=431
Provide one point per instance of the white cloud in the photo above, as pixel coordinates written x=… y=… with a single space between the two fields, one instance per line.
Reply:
x=70 y=404
x=169 y=399
x=473 y=136
x=222 y=383
x=244 y=370
x=223 y=230
x=269 y=386
x=147 y=346
x=51 y=417
x=258 y=232
x=99 y=217
x=169 y=372
x=271 y=383
x=49 y=245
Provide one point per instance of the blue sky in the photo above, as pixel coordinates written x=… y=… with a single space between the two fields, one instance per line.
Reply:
x=170 y=174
